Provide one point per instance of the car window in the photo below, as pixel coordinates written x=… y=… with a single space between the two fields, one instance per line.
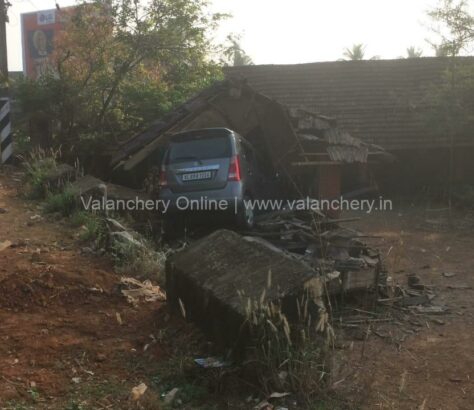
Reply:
x=199 y=148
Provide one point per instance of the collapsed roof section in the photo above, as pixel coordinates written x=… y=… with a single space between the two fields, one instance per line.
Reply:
x=323 y=141
x=289 y=137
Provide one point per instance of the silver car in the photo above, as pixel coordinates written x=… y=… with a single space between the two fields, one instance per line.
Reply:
x=210 y=167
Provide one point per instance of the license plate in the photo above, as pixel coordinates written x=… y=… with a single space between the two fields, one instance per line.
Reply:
x=196 y=176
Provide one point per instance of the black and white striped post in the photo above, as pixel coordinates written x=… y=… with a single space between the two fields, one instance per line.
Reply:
x=6 y=148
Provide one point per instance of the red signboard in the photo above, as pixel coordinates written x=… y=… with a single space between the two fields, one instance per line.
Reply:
x=39 y=30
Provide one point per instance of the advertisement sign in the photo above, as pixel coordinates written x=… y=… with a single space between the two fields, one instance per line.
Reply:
x=39 y=30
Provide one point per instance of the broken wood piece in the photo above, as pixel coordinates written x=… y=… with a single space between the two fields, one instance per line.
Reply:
x=459 y=287
x=433 y=310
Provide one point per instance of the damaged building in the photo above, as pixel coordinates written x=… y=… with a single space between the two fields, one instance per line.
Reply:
x=390 y=103
x=309 y=152
x=305 y=251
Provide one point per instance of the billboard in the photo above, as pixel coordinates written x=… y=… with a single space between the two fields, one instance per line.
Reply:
x=39 y=30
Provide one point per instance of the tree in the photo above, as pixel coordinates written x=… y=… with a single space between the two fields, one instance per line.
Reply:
x=413 y=52
x=357 y=52
x=234 y=54
x=120 y=64
x=457 y=25
x=453 y=101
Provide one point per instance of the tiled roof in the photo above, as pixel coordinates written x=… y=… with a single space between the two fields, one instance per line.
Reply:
x=384 y=102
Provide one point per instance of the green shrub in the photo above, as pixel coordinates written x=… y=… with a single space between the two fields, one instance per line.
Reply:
x=79 y=218
x=93 y=227
x=63 y=202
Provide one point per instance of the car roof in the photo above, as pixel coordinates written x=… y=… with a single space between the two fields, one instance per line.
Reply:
x=208 y=131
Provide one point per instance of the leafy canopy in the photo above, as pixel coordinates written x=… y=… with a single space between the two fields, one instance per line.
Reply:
x=120 y=64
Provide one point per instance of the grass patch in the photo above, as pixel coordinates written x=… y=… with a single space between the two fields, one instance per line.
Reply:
x=63 y=203
x=93 y=227
x=179 y=371
x=79 y=218
x=139 y=259
x=87 y=393
x=189 y=393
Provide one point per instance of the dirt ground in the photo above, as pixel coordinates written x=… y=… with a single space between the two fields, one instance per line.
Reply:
x=67 y=335
x=425 y=361
x=70 y=340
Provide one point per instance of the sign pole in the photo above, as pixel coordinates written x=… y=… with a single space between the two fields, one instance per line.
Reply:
x=6 y=146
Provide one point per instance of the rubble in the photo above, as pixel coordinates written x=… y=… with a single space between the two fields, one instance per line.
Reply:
x=319 y=241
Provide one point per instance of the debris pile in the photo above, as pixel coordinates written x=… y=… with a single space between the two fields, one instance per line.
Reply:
x=416 y=297
x=286 y=256
x=320 y=242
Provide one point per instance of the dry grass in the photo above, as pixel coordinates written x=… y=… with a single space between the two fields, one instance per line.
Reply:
x=142 y=261
x=38 y=164
x=290 y=357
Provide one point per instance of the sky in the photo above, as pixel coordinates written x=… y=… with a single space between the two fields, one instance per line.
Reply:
x=295 y=31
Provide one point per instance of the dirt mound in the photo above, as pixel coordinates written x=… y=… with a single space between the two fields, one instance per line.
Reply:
x=25 y=290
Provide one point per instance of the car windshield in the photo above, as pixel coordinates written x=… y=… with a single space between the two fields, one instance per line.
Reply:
x=199 y=148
